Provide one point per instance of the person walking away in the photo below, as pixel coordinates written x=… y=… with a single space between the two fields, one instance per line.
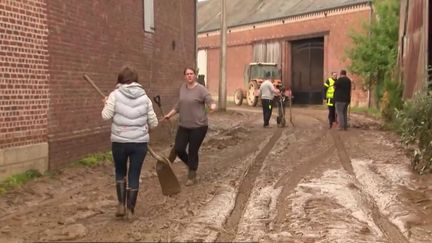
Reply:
x=342 y=98
x=267 y=93
x=132 y=114
x=329 y=98
x=193 y=121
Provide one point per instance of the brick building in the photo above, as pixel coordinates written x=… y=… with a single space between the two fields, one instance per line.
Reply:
x=48 y=114
x=306 y=38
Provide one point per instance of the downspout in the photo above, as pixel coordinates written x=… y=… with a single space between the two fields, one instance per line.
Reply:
x=369 y=95
x=196 y=33
x=426 y=41
x=404 y=39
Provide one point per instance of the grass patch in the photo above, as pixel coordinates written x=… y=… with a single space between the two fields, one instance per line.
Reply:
x=373 y=112
x=95 y=159
x=18 y=180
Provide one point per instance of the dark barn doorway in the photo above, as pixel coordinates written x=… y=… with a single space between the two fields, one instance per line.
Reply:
x=307 y=70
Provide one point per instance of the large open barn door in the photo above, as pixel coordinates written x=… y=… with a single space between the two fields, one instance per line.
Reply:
x=307 y=70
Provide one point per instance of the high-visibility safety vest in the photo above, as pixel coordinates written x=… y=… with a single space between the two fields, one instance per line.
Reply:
x=329 y=84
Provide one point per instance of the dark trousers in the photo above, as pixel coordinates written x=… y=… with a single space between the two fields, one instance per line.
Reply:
x=342 y=114
x=136 y=153
x=331 y=114
x=267 y=106
x=193 y=138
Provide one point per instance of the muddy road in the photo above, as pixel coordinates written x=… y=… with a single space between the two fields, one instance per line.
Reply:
x=305 y=183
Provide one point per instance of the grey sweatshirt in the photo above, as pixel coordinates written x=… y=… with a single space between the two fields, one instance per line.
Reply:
x=191 y=106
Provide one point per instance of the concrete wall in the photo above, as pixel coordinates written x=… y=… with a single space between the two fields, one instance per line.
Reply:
x=21 y=158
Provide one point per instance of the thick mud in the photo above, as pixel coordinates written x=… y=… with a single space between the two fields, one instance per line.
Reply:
x=305 y=183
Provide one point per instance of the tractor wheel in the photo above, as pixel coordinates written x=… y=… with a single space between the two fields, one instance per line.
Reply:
x=238 y=97
x=251 y=98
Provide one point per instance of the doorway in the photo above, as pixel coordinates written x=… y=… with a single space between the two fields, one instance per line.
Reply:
x=307 y=67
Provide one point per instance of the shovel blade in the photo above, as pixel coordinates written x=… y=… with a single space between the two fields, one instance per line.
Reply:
x=172 y=155
x=167 y=179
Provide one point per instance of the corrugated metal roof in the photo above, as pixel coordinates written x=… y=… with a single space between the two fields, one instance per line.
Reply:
x=243 y=12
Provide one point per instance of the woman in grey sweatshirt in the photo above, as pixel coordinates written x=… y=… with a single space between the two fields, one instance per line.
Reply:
x=193 y=122
x=132 y=114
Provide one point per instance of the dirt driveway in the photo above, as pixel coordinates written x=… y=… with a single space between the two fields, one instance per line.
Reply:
x=305 y=183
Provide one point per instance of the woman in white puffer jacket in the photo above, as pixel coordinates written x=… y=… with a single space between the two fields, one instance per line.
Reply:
x=132 y=116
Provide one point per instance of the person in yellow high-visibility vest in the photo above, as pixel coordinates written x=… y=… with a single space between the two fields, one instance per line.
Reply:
x=329 y=91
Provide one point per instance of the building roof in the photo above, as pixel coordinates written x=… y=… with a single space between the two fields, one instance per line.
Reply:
x=245 y=12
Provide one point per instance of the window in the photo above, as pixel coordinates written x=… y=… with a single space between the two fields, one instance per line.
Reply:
x=148 y=15
x=267 y=52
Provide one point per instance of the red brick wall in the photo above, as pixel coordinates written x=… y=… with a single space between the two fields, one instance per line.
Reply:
x=213 y=71
x=23 y=73
x=237 y=57
x=335 y=26
x=97 y=38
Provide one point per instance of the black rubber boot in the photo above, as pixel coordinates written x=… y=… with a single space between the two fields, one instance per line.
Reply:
x=132 y=195
x=191 y=178
x=121 y=197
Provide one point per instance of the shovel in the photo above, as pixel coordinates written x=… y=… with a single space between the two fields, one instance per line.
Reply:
x=290 y=111
x=166 y=176
x=172 y=155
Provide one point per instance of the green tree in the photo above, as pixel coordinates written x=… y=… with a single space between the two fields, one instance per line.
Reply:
x=373 y=56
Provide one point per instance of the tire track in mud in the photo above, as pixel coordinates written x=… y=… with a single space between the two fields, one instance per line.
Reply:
x=245 y=189
x=409 y=219
x=391 y=232
x=303 y=168
x=294 y=178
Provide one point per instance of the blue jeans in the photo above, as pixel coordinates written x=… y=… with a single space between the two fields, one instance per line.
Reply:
x=136 y=153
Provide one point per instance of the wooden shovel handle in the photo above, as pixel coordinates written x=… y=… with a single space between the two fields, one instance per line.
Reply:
x=88 y=79
x=156 y=156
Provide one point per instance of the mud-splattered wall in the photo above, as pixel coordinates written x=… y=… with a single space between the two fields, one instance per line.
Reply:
x=413 y=45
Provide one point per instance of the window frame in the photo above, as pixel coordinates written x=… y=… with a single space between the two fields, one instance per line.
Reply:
x=148 y=18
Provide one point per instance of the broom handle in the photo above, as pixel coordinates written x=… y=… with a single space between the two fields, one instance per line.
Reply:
x=88 y=79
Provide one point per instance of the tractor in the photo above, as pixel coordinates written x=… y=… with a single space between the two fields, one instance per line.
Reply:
x=253 y=77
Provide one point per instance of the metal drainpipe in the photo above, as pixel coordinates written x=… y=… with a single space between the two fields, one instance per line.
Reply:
x=370 y=78
x=196 y=34
x=426 y=40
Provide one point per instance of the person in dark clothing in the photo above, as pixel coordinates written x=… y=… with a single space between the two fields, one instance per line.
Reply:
x=329 y=98
x=342 y=98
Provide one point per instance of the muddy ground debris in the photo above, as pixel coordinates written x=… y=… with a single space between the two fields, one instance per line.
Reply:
x=306 y=183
